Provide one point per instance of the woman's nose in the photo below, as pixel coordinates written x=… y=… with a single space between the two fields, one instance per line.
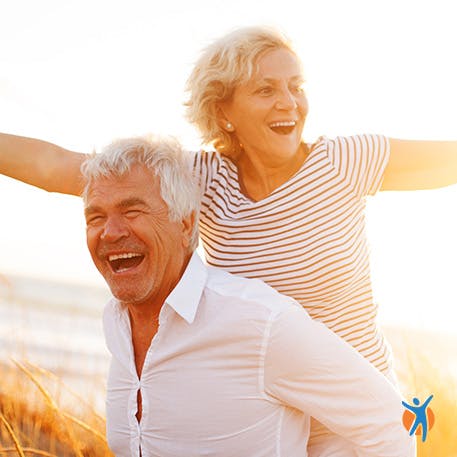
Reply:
x=286 y=100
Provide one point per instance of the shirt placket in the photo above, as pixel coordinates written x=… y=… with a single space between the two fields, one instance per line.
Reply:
x=148 y=366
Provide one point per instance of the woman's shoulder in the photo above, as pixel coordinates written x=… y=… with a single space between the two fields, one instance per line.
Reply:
x=211 y=154
x=211 y=159
x=358 y=145
x=349 y=139
x=211 y=167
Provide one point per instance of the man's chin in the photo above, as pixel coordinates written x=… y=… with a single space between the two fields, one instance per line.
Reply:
x=131 y=287
x=124 y=294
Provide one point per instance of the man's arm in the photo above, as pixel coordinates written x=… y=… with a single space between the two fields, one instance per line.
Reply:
x=41 y=164
x=416 y=165
x=310 y=368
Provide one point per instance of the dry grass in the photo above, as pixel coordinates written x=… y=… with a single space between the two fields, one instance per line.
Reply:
x=427 y=364
x=39 y=416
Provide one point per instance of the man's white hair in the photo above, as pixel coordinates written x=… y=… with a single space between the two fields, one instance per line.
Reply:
x=165 y=157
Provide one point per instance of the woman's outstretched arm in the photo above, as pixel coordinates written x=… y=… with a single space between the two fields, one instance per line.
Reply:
x=41 y=164
x=417 y=165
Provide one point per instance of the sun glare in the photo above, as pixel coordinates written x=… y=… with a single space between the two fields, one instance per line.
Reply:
x=82 y=73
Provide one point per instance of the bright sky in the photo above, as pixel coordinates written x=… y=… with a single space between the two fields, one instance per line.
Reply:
x=79 y=73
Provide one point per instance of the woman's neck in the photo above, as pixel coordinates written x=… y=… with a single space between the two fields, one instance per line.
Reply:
x=259 y=178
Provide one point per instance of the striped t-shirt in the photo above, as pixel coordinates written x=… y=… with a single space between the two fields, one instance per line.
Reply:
x=307 y=238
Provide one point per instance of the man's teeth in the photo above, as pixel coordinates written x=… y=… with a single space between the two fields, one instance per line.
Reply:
x=283 y=124
x=127 y=255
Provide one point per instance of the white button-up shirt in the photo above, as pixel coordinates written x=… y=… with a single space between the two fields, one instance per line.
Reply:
x=237 y=369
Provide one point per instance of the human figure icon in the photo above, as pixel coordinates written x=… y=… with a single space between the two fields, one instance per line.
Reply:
x=421 y=415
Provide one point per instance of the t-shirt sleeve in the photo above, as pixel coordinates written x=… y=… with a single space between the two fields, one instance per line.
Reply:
x=206 y=166
x=308 y=367
x=208 y=169
x=360 y=161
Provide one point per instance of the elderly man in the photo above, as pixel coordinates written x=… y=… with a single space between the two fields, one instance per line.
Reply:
x=205 y=363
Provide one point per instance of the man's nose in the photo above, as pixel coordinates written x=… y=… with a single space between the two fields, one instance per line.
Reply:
x=114 y=229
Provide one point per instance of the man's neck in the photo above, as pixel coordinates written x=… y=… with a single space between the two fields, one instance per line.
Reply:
x=143 y=331
x=144 y=317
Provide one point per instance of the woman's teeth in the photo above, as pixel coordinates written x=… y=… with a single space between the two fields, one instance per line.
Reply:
x=283 y=124
x=283 y=127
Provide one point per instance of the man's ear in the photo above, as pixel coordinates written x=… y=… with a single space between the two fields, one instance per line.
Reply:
x=188 y=224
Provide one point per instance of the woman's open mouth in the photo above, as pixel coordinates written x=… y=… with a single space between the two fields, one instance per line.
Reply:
x=283 y=127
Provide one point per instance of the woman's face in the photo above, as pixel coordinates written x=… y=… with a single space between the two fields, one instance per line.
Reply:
x=269 y=111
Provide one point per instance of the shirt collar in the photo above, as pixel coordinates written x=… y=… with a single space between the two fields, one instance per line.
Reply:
x=185 y=297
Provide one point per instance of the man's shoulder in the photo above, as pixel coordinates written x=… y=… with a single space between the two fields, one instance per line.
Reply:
x=245 y=291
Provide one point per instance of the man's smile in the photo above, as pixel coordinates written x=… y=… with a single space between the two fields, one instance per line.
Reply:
x=125 y=261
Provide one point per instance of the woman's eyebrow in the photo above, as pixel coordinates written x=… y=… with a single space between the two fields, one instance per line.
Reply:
x=268 y=79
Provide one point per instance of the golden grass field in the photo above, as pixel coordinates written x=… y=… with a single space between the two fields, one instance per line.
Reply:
x=39 y=416
x=426 y=364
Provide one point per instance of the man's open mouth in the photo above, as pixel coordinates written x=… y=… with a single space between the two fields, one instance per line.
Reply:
x=283 y=127
x=125 y=261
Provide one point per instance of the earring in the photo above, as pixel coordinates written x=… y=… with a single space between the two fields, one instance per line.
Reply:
x=229 y=127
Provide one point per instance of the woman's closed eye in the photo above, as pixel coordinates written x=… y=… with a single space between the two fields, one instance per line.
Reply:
x=297 y=88
x=265 y=90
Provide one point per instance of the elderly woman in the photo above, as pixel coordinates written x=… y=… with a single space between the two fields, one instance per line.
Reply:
x=273 y=206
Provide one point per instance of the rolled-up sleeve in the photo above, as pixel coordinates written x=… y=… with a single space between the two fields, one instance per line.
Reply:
x=309 y=368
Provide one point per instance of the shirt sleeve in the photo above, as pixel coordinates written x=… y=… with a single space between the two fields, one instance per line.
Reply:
x=205 y=165
x=208 y=169
x=360 y=161
x=310 y=368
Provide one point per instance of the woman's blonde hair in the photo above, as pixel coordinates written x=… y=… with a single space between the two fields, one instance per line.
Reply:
x=226 y=63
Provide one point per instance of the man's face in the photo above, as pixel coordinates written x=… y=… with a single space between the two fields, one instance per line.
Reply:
x=139 y=252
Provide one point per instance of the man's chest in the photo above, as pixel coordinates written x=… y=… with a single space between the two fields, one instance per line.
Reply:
x=206 y=403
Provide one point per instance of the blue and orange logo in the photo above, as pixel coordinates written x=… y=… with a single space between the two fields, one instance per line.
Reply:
x=417 y=418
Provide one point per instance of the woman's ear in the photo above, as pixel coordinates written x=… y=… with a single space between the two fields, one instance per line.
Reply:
x=222 y=120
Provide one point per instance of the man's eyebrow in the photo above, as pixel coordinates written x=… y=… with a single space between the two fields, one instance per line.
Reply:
x=91 y=209
x=127 y=203
x=132 y=201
